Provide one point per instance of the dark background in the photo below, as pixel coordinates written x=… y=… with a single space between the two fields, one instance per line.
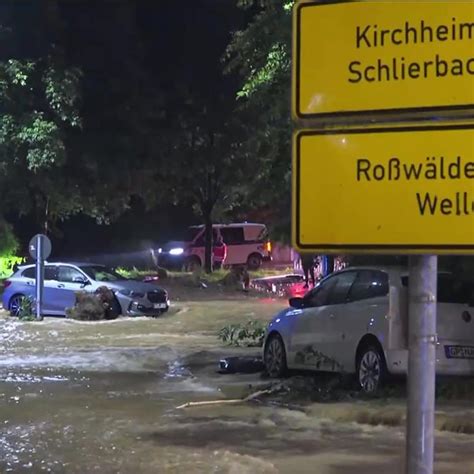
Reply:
x=120 y=45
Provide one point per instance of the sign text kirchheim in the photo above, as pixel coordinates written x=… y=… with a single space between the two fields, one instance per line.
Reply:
x=382 y=57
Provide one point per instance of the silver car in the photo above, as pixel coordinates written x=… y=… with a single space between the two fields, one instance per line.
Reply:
x=356 y=322
x=63 y=280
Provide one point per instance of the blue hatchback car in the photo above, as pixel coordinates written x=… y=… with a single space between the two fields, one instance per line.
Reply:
x=63 y=280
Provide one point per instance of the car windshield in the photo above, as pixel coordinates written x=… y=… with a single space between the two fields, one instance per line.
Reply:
x=100 y=273
x=188 y=234
x=452 y=289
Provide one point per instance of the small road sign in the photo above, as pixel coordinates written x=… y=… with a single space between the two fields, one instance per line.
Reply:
x=45 y=246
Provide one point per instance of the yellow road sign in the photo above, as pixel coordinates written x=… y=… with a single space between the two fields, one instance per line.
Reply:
x=350 y=58
x=399 y=190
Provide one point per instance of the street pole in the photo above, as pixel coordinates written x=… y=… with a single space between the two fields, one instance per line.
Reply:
x=39 y=277
x=421 y=364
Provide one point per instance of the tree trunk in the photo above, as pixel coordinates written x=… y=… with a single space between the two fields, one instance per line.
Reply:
x=46 y=217
x=208 y=240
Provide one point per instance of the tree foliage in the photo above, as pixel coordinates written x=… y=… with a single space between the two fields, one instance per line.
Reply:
x=39 y=106
x=206 y=165
x=261 y=55
x=37 y=103
x=75 y=128
x=8 y=242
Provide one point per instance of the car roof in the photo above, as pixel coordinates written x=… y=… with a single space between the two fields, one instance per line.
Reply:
x=383 y=268
x=74 y=264
x=234 y=224
x=394 y=271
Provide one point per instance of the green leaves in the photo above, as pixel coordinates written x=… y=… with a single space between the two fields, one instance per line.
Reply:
x=39 y=103
x=250 y=334
x=37 y=100
x=8 y=242
x=277 y=62
x=18 y=72
x=261 y=56
x=61 y=90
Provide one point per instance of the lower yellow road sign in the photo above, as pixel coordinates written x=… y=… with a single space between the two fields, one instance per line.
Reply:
x=388 y=190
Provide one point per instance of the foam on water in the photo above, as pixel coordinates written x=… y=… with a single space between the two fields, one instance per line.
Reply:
x=110 y=360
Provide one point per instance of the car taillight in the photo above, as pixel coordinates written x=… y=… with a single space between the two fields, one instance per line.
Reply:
x=6 y=283
x=268 y=247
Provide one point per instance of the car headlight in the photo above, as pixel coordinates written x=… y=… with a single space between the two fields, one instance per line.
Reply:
x=160 y=250
x=176 y=251
x=131 y=293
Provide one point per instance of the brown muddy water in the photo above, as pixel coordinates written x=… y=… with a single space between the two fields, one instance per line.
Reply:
x=79 y=397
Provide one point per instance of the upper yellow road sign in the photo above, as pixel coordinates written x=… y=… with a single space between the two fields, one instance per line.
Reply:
x=355 y=57
x=398 y=190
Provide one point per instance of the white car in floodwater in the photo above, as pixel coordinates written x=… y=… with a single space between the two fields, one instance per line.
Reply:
x=356 y=321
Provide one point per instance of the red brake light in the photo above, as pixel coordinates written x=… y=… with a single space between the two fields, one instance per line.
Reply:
x=6 y=283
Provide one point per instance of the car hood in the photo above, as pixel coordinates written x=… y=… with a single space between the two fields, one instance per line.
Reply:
x=280 y=317
x=133 y=285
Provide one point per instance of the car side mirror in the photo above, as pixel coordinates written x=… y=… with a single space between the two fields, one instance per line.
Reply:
x=297 y=303
x=81 y=280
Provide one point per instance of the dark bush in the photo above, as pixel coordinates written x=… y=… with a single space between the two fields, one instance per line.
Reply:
x=94 y=306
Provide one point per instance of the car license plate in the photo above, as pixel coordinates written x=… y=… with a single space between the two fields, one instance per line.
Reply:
x=159 y=306
x=459 y=352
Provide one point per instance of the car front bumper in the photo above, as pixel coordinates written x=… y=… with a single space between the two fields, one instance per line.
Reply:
x=172 y=262
x=137 y=308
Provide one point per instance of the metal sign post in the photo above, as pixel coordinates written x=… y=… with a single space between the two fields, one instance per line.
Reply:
x=421 y=364
x=40 y=250
x=39 y=277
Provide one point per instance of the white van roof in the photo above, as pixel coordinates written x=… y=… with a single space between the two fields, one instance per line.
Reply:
x=235 y=224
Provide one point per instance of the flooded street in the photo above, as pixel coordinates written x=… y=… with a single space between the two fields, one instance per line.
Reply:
x=81 y=397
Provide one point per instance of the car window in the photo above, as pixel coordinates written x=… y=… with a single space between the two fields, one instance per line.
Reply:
x=232 y=235
x=68 y=274
x=200 y=242
x=29 y=273
x=189 y=234
x=451 y=289
x=319 y=296
x=50 y=273
x=101 y=273
x=340 y=290
x=369 y=284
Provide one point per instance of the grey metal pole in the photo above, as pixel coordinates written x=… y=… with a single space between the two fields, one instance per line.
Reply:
x=39 y=277
x=421 y=364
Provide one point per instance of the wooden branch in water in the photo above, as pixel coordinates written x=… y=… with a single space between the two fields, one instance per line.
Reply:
x=252 y=396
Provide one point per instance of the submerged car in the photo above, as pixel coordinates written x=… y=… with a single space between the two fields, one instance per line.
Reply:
x=356 y=322
x=63 y=280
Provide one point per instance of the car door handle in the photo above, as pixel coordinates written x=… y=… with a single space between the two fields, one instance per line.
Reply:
x=30 y=283
x=61 y=285
x=332 y=316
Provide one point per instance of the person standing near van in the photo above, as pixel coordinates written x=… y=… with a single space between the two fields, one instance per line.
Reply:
x=307 y=262
x=219 y=251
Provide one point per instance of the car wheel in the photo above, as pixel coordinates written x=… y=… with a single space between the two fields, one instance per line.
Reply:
x=254 y=262
x=371 y=369
x=15 y=305
x=275 y=357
